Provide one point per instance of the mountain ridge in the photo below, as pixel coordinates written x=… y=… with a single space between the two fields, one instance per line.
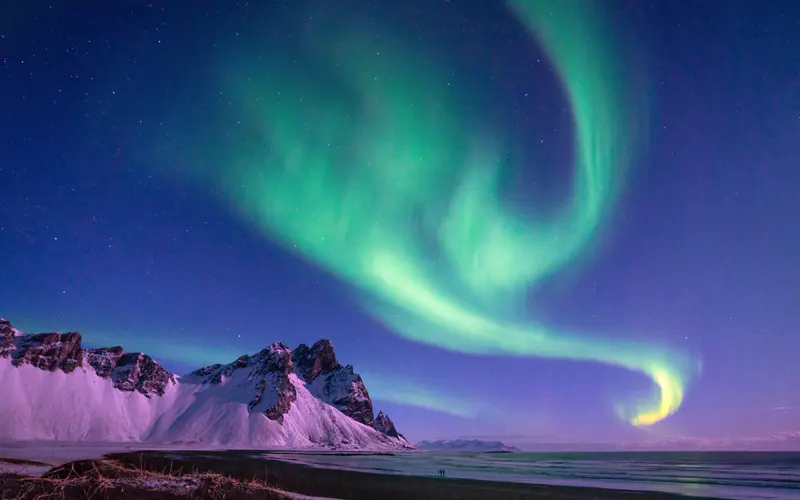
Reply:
x=465 y=445
x=275 y=397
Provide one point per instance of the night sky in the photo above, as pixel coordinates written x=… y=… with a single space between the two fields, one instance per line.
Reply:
x=510 y=217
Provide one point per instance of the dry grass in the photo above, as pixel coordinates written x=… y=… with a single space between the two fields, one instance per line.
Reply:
x=110 y=479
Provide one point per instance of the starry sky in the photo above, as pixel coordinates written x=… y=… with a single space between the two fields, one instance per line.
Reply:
x=517 y=219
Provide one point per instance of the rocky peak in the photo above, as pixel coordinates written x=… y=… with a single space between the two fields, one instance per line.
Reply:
x=277 y=358
x=211 y=374
x=319 y=359
x=337 y=385
x=136 y=371
x=275 y=393
x=49 y=351
x=268 y=371
x=384 y=424
x=333 y=383
x=62 y=351
x=103 y=360
x=7 y=334
x=6 y=328
x=241 y=361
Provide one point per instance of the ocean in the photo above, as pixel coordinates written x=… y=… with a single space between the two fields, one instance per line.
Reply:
x=733 y=475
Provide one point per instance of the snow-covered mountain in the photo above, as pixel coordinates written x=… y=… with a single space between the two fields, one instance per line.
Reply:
x=53 y=389
x=465 y=445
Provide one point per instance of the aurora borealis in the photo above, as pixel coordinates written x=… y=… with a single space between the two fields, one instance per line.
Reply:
x=392 y=189
x=513 y=217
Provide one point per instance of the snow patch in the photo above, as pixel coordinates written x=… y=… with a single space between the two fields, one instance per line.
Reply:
x=83 y=406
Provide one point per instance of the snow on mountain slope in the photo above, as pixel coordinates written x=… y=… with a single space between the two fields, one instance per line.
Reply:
x=258 y=399
x=54 y=390
x=41 y=404
x=219 y=414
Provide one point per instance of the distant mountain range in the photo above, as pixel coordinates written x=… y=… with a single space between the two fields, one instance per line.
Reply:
x=54 y=389
x=465 y=445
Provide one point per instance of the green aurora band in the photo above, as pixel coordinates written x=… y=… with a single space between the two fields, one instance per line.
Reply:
x=369 y=170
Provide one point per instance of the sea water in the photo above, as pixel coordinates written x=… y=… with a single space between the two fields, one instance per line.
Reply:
x=734 y=475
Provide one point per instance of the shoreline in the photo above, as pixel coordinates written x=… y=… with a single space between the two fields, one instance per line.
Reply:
x=361 y=485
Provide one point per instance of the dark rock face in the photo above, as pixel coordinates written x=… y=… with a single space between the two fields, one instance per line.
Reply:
x=133 y=371
x=7 y=333
x=345 y=390
x=241 y=362
x=49 y=351
x=384 y=425
x=287 y=395
x=283 y=395
x=319 y=359
x=103 y=360
x=276 y=358
x=211 y=374
x=62 y=351
x=136 y=371
x=274 y=364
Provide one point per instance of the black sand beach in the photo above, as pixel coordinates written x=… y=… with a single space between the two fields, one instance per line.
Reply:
x=363 y=485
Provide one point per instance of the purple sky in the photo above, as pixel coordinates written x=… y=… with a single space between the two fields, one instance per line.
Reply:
x=701 y=253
